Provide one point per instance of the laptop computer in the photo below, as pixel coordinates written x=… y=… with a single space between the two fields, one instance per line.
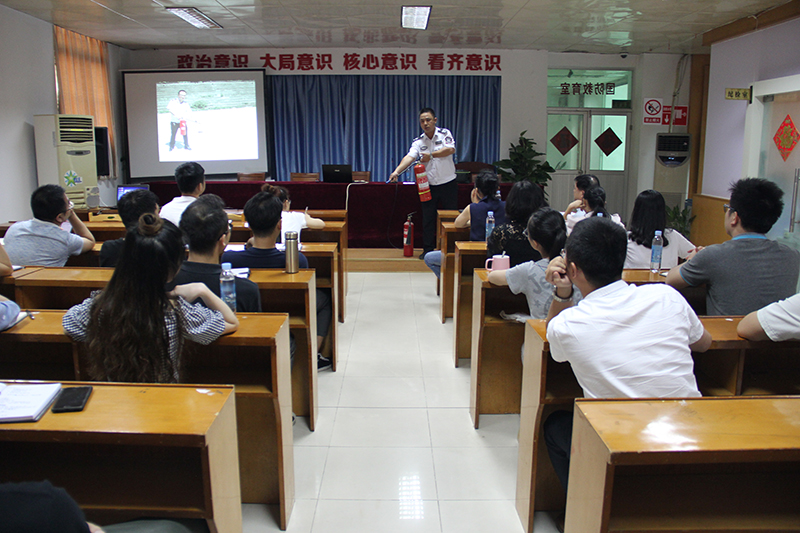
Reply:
x=122 y=190
x=337 y=173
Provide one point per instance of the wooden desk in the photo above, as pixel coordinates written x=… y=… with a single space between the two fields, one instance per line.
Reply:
x=696 y=296
x=496 y=366
x=450 y=234
x=255 y=358
x=137 y=451
x=296 y=294
x=469 y=256
x=322 y=257
x=444 y=215
x=731 y=366
x=708 y=464
x=61 y=288
x=334 y=231
x=7 y=283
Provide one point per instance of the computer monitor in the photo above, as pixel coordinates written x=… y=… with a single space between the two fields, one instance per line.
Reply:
x=122 y=190
x=337 y=173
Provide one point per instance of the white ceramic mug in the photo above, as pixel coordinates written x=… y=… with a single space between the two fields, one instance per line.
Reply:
x=499 y=262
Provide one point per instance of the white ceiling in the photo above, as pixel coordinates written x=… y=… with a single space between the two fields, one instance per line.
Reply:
x=601 y=26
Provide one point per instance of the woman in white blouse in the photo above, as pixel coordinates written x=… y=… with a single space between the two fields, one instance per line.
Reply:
x=650 y=214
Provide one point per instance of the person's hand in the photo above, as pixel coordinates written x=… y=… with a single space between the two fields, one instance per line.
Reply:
x=94 y=528
x=393 y=177
x=574 y=206
x=190 y=291
x=425 y=158
x=473 y=196
x=694 y=252
x=556 y=273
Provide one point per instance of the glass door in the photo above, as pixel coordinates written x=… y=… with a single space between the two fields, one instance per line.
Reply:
x=588 y=141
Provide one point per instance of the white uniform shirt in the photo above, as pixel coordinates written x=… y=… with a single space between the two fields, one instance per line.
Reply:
x=624 y=341
x=679 y=247
x=440 y=169
x=173 y=210
x=179 y=110
x=292 y=221
x=781 y=320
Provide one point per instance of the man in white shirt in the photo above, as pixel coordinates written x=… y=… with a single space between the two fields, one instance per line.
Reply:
x=180 y=113
x=621 y=340
x=435 y=148
x=40 y=241
x=191 y=180
x=779 y=321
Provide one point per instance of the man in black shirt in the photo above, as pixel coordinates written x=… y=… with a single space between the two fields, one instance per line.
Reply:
x=131 y=206
x=207 y=230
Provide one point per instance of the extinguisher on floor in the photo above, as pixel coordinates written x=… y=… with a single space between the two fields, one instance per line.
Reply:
x=408 y=237
x=422 y=182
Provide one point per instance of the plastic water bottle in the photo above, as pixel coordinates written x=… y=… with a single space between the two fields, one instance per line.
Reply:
x=489 y=224
x=655 y=253
x=227 y=286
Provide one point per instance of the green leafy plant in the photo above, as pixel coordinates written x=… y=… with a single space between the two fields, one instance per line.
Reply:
x=523 y=163
x=680 y=219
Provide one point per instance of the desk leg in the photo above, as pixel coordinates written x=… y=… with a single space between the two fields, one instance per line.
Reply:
x=223 y=459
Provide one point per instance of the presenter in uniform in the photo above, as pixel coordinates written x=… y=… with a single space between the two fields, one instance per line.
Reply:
x=435 y=148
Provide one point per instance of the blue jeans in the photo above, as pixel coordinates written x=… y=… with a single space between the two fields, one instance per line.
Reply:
x=433 y=260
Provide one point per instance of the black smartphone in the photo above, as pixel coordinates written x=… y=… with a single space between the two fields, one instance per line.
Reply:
x=72 y=399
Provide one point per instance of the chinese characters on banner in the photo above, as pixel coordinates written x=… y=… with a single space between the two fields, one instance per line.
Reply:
x=588 y=88
x=358 y=62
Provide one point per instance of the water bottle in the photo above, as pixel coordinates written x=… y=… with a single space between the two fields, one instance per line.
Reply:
x=655 y=253
x=292 y=253
x=227 y=286
x=489 y=224
x=498 y=196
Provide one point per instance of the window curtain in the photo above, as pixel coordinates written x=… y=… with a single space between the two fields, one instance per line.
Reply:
x=82 y=80
x=369 y=122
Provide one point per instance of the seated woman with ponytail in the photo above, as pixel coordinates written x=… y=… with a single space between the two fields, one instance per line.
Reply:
x=595 y=201
x=134 y=329
x=547 y=233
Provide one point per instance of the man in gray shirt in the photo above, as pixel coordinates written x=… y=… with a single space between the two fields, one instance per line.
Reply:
x=749 y=271
x=40 y=241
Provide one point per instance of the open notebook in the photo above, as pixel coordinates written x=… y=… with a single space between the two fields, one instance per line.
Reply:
x=26 y=402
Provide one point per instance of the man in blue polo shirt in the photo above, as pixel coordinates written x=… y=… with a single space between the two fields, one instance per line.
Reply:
x=749 y=271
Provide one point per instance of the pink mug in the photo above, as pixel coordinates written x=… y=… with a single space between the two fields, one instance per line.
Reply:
x=499 y=262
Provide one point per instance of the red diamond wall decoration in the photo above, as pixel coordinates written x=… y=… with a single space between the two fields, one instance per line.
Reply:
x=608 y=141
x=786 y=137
x=564 y=141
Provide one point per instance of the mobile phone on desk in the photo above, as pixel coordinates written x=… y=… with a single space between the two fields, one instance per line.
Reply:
x=72 y=399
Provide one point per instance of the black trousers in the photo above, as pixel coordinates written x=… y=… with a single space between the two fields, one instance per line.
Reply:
x=446 y=195
x=558 y=437
x=175 y=127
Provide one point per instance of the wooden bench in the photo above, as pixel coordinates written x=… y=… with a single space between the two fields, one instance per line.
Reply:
x=255 y=358
x=709 y=464
x=469 y=256
x=137 y=451
x=322 y=257
x=496 y=366
x=450 y=234
x=731 y=366
x=61 y=288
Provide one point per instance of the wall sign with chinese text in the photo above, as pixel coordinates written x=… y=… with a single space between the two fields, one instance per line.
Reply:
x=737 y=94
x=653 y=111
x=349 y=61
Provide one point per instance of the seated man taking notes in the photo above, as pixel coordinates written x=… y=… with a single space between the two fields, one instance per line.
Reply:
x=621 y=340
x=749 y=271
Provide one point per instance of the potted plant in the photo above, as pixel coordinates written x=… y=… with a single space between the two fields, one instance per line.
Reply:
x=523 y=163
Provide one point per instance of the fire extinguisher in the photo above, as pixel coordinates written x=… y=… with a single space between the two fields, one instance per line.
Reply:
x=408 y=237
x=422 y=182
x=183 y=127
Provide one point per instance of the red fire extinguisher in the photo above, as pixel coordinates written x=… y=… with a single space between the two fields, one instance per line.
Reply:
x=422 y=182
x=408 y=237
x=183 y=127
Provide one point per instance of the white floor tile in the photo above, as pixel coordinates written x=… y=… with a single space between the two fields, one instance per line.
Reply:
x=385 y=365
x=259 y=518
x=463 y=516
x=309 y=465
x=442 y=365
x=382 y=428
x=454 y=428
x=378 y=474
x=487 y=473
x=321 y=436
x=330 y=387
x=399 y=516
x=382 y=392
x=447 y=392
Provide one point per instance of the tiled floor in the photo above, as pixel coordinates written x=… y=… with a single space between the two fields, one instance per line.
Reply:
x=394 y=449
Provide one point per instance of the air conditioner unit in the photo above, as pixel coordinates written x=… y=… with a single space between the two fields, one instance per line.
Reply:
x=65 y=155
x=671 y=176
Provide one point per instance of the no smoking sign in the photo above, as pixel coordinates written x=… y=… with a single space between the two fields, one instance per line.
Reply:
x=652 y=110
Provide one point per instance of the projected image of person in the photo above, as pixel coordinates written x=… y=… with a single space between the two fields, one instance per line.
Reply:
x=180 y=113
